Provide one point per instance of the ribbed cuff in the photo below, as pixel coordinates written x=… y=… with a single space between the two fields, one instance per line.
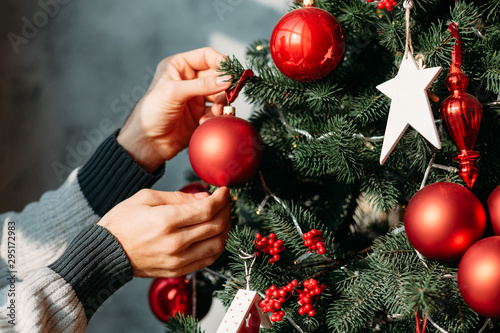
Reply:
x=111 y=176
x=95 y=265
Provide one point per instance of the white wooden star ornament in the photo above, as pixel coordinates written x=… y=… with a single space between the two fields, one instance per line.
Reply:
x=410 y=104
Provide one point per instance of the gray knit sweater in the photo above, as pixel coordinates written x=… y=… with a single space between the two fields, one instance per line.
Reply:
x=56 y=265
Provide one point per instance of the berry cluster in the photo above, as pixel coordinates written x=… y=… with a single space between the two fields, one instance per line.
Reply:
x=387 y=4
x=314 y=241
x=275 y=297
x=310 y=293
x=270 y=245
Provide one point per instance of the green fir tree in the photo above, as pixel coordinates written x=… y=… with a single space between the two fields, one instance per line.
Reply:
x=321 y=171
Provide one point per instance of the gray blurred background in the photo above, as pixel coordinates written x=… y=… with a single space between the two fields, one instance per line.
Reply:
x=69 y=73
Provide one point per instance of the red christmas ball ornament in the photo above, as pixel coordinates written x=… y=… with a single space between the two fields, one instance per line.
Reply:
x=494 y=210
x=226 y=151
x=168 y=296
x=479 y=277
x=462 y=112
x=195 y=187
x=443 y=220
x=307 y=43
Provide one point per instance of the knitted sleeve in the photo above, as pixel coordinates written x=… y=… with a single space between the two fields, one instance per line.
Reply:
x=44 y=229
x=64 y=296
x=39 y=235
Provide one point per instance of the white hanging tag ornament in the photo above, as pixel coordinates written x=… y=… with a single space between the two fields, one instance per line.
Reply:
x=409 y=101
x=241 y=306
x=245 y=304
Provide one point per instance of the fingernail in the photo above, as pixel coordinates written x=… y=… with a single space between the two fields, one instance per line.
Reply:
x=223 y=80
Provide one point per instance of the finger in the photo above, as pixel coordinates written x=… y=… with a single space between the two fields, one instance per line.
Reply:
x=203 y=254
x=159 y=198
x=181 y=91
x=219 y=103
x=202 y=231
x=216 y=109
x=202 y=59
x=194 y=212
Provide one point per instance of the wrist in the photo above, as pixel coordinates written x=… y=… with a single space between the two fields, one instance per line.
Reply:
x=140 y=149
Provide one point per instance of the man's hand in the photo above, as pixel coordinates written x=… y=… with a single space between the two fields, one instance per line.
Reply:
x=163 y=121
x=169 y=234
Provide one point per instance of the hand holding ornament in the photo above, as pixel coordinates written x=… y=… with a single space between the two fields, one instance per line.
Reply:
x=163 y=121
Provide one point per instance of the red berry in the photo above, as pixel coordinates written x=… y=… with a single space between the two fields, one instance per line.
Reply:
x=312 y=313
x=302 y=311
x=321 y=250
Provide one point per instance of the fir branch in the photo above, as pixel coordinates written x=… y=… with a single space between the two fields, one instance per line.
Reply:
x=279 y=219
x=183 y=324
x=259 y=53
x=380 y=190
x=337 y=154
x=392 y=34
x=356 y=16
x=369 y=107
x=467 y=16
x=492 y=10
x=358 y=304
x=492 y=74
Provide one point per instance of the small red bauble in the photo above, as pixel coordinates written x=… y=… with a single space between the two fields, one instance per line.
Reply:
x=226 y=151
x=195 y=187
x=443 y=220
x=479 y=277
x=494 y=210
x=307 y=44
x=168 y=296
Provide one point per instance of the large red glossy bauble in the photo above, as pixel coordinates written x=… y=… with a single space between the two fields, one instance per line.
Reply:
x=168 y=296
x=494 y=210
x=226 y=151
x=307 y=44
x=479 y=277
x=443 y=220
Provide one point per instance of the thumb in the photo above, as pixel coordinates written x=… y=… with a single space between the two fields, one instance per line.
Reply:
x=203 y=86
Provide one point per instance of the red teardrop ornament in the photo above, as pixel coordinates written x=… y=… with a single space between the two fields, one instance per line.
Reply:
x=462 y=113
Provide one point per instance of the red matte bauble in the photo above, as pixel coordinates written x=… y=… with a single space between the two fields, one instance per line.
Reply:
x=479 y=277
x=443 y=220
x=226 y=151
x=461 y=112
x=494 y=210
x=168 y=296
x=195 y=187
x=307 y=44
